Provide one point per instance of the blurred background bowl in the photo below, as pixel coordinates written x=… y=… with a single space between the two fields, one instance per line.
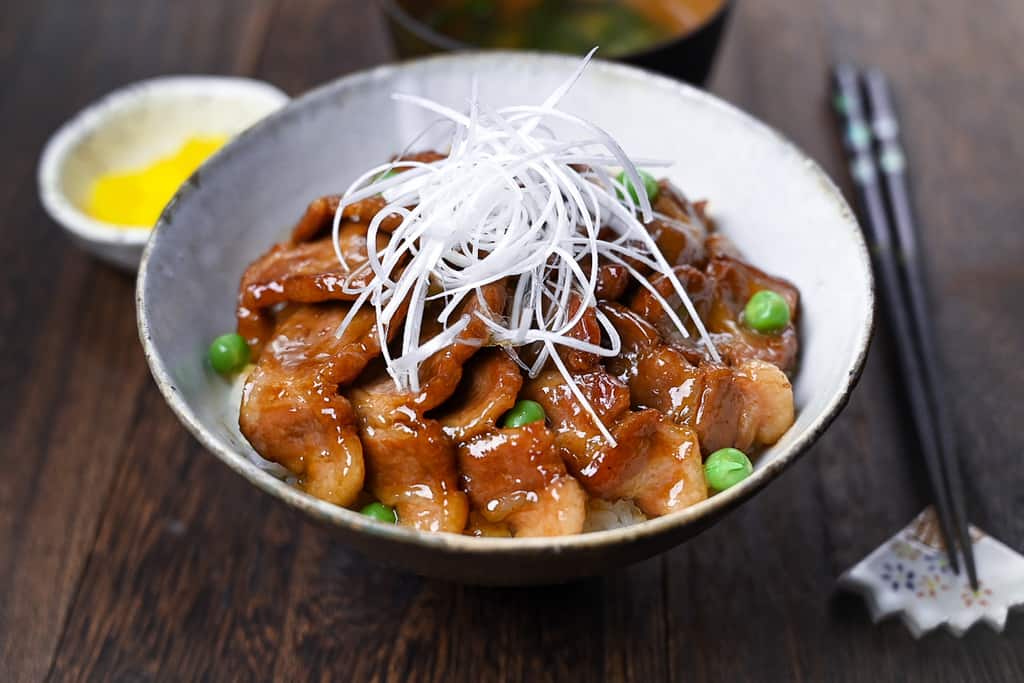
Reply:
x=686 y=53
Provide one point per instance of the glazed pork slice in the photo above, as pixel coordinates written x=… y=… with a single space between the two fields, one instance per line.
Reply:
x=306 y=269
x=734 y=283
x=613 y=279
x=769 y=396
x=719 y=293
x=291 y=412
x=586 y=330
x=490 y=383
x=516 y=478
x=743 y=406
x=319 y=215
x=410 y=460
x=669 y=476
x=441 y=373
x=308 y=272
x=679 y=227
x=700 y=290
x=654 y=463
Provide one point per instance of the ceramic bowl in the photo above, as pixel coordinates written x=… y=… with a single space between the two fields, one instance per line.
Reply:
x=130 y=128
x=688 y=56
x=777 y=204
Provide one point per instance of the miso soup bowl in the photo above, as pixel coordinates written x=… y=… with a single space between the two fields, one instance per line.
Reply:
x=777 y=205
x=688 y=55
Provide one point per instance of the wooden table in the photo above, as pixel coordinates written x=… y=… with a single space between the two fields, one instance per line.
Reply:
x=128 y=553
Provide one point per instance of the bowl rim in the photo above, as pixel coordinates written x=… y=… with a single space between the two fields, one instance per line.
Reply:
x=357 y=523
x=394 y=10
x=95 y=116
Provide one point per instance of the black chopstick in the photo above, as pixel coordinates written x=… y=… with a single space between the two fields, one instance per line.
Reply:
x=891 y=160
x=857 y=142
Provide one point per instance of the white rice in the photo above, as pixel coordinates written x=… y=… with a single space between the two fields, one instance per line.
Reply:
x=603 y=515
x=232 y=406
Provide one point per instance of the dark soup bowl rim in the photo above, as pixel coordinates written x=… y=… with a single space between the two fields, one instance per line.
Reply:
x=440 y=41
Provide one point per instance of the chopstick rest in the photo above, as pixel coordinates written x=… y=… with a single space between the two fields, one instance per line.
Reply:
x=909 y=576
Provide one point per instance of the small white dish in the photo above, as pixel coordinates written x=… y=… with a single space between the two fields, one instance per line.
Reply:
x=130 y=128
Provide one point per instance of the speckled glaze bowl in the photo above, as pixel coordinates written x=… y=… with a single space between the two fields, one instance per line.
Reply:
x=781 y=209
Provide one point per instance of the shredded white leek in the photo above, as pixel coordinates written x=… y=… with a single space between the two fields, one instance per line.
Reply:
x=512 y=201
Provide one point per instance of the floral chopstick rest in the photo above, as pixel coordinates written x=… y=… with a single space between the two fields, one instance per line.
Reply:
x=909 y=576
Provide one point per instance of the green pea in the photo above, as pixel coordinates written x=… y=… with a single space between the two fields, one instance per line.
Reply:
x=523 y=413
x=726 y=467
x=229 y=353
x=767 y=311
x=381 y=513
x=650 y=186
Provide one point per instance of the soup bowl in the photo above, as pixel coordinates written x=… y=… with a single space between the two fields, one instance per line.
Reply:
x=777 y=205
x=688 y=55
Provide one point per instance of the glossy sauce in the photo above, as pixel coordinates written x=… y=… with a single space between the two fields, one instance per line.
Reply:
x=324 y=409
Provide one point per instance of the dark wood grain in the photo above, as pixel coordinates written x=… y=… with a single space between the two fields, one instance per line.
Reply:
x=71 y=371
x=196 y=583
x=126 y=552
x=314 y=41
x=959 y=85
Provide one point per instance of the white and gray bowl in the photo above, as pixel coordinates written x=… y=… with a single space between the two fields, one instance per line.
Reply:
x=778 y=206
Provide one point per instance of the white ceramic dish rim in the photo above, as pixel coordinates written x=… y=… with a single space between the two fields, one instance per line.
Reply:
x=94 y=117
x=449 y=542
